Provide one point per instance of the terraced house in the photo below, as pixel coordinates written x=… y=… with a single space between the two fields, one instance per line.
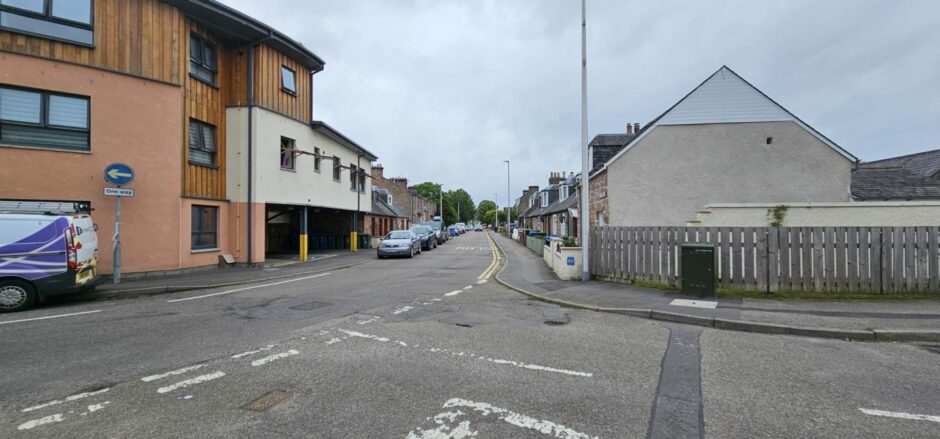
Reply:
x=212 y=108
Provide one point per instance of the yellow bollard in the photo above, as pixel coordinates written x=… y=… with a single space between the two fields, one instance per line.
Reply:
x=303 y=248
x=353 y=241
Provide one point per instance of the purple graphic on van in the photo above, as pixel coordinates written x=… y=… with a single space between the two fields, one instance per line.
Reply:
x=36 y=256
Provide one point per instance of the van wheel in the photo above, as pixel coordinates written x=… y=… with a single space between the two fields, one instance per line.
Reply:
x=16 y=295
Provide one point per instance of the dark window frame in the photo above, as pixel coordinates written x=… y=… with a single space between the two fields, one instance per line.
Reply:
x=284 y=87
x=204 y=44
x=362 y=181
x=337 y=169
x=353 y=178
x=44 y=98
x=316 y=159
x=46 y=15
x=194 y=233
x=202 y=143
x=293 y=155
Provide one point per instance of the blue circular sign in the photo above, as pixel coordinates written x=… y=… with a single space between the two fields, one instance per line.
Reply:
x=118 y=174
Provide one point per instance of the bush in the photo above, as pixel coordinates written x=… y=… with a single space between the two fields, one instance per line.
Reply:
x=568 y=241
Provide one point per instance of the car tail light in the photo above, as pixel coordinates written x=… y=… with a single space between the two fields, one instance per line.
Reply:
x=70 y=249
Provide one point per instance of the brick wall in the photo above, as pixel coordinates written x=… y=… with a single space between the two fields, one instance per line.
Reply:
x=598 y=198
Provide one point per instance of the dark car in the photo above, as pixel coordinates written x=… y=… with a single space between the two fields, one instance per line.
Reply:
x=440 y=233
x=399 y=243
x=426 y=236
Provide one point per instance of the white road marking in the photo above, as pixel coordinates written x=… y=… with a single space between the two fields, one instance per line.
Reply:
x=403 y=309
x=436 y=300
x=901 y=415
x=366 y=322
x=270 y=358
x=29 y=425
x=694 y=303
x=68 y=399
x=50 y=317
x=192 y=381
x=150 y=378
x=462 y=429
x=468 y=287
x=481 y=281
x=334 y=340
x=477 y=357
x=95 y=407
x=452 y=293
x=247 y=353
x=248 y=288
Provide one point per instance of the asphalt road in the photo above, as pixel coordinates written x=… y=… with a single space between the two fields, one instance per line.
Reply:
x=425 y=348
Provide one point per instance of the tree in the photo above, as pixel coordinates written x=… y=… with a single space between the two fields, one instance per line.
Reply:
x=460 y=198
x=493 y=216
x=484 y=207
x=431 y=192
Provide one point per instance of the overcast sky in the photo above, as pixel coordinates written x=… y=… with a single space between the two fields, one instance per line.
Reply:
x=445 y=90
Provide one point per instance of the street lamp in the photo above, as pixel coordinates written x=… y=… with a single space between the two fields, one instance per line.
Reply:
x=441 y=193
x=508 y=196
x=585 y=172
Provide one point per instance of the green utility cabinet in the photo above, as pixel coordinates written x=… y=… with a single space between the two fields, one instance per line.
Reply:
x=698 y=269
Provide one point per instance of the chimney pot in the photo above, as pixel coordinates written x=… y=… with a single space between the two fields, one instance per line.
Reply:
x=629 y=128
x=636 y=128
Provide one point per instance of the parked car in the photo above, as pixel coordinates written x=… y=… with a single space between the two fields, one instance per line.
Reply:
x=438 y=227
x=461 y=228
x=426 y=235
x=45 y=255
x=399 y=243
x=478 y=228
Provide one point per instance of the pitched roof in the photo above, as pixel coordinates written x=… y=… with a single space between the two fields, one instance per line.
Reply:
x=564 y=205
x=726 y=97
x=908 y=177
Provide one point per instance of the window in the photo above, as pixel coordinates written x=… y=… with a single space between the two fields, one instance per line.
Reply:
x=562 y=192
x=316 y=159
x=353 y=181
x=362 y=180
x=201 y=143
x=202 y=61
x=64 y=20
x=287 y=154
x=543 y=202
x=44 y=119
x=205 y=227
x=288 y=80
x=337 y=169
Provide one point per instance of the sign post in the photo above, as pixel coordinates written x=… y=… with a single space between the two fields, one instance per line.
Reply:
x=118 y=174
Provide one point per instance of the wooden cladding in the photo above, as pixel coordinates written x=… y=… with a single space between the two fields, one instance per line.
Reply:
x=268 y=93
x=205 y=103
x=138 y=37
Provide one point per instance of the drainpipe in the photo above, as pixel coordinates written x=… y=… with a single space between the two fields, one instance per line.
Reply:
x=251 y=104
x=354 y=235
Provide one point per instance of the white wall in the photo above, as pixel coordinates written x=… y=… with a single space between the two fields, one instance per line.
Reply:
x=859 y=214
x=303 y=185
x=669 y=174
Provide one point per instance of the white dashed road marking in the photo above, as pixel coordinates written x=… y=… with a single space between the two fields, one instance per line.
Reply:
x=68 y=399
x=694 y=303
x=150 y=378
x=452 y=293
x=474 y=356
x=29 y=425
x=191 y=382
x=275 y=357
x=244 y=354
x=403 y=309
x=50 y=317
x=446 y=425
x=901 y=415
x=248 y=288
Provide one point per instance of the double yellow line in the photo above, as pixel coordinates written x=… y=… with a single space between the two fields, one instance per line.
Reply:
x=494 y=264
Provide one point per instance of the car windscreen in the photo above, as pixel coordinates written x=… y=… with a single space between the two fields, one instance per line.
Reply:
x=399 y=235
x=420 y=230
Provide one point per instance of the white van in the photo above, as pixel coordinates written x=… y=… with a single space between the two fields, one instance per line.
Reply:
x=45 y=255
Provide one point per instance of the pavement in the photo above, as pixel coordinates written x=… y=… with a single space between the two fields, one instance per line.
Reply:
x=434 y=347
x=917 y=321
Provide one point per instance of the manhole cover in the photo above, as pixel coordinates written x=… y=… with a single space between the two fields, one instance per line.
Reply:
x=310 y=306
x=266 y=401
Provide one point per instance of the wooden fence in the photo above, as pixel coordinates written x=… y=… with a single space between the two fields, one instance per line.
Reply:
x=808 y=259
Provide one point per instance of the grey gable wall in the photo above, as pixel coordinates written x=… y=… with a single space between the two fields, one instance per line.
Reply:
x=673 y=172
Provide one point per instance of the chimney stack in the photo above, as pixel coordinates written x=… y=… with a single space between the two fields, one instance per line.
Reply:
x=378 y=172
x=629 y=128
x=636 y=128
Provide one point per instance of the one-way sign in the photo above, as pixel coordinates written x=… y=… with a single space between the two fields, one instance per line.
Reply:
x=118 y=192
x=118 y=174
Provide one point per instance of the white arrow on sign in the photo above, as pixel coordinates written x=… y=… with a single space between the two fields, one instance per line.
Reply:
x=116 y=173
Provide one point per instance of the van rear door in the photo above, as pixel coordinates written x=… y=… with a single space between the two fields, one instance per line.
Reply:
x=85 y=241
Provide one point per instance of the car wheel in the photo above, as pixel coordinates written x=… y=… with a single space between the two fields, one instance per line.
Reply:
x=412 y=253
x=16 y=295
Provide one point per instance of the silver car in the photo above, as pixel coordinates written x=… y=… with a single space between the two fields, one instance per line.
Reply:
x=399 y=243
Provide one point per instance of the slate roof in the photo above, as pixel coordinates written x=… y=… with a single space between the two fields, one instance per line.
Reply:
x=568 y=203
x=606 y=146
x=381 y=208
x=908 y=177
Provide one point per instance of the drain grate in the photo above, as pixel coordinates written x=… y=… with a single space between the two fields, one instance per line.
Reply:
x=932 y=348
x=266 y=401
x=310 y=306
